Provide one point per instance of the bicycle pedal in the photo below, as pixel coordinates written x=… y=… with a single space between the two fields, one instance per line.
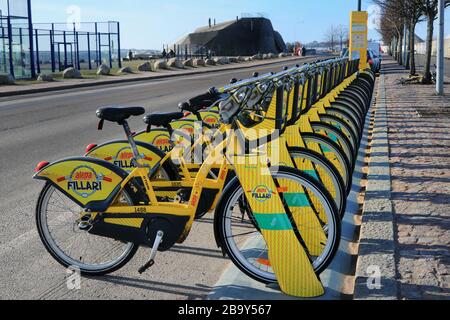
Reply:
x=146 y=266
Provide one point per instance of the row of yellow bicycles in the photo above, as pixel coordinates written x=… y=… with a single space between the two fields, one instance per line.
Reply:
x=272 y=156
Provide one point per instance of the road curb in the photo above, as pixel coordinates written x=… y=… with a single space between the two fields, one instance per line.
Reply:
x=131 y=80
x=375 y=277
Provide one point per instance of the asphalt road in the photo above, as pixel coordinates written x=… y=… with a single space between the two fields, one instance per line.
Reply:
x=51 y=126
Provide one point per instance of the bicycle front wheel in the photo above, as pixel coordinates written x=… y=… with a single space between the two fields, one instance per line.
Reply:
x=238 y=233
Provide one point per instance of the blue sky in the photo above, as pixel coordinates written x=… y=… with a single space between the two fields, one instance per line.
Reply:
x=148 y=24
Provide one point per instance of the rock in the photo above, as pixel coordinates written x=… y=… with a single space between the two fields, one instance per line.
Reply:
x=270 y=56
x=221 y=60
x=241 y=59
x=72 y=73
x=160 y=65
x=282 y=55
x=45 y=78
x=125 y=70
x=210 y=62
x=175 y=63
x=257 y=57
x=199 y=63
x=234 y=60
x=248 y=59
x=103 y=70
x=6 y=79
x=188 y=63
x=145 y=67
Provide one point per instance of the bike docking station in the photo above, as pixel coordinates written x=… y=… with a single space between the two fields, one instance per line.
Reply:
x=278 y=194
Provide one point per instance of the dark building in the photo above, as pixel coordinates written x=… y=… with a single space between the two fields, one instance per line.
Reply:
x=240 y=37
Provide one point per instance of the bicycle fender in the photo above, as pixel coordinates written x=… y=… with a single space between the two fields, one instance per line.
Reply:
x=119 y=153
x=209 y=118
x=159 y=138
x=91 y=183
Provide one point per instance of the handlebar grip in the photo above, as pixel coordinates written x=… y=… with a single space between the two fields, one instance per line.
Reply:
x=201 y=100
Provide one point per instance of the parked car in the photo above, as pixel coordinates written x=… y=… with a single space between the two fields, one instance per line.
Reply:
x=374 y=61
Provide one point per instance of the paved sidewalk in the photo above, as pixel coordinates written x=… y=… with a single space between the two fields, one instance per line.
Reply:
x=142 y=76
x=418 y=124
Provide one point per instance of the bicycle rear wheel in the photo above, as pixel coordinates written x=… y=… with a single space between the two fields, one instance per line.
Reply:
x=58 y=220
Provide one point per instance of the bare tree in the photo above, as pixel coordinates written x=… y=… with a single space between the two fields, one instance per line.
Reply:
x=396 y=13
x=331 y=37
x=392 y=18
x=342 y=33
x=411 y=13
x=429 y=9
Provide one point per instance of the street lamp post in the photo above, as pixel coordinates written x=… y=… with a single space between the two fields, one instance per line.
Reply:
x=440 y=50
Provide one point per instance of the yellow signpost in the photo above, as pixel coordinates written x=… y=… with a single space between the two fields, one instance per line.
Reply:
x=359 y=37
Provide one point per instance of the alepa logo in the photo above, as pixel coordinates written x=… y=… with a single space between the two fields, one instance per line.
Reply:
x=262 y=193
x=189 y=128
x=84 y=181
x=211 y=121
x=163 y=143
x=124 y=159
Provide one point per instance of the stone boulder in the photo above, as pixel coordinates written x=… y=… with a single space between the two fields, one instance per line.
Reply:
x=257 y=57
x=210 y=62
x=188 y=63
x=248 y=59
x=221 y=60
x=145 y=67
x=45 y=78
x=175 y=63
x=72 y=73
x=199 y=63
x=283 y=55
x=270 y=56
x=125 y=70
x=160 y=65
x=6 y=79
x=234 y=60
x=241 y=59
x=103 y=70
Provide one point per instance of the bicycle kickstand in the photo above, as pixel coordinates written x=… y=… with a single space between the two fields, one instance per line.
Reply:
x=153 y=253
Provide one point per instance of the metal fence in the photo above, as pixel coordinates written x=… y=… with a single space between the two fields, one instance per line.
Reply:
x=27 y=48
x=83 y=46
x=188 y=52
x=16 y=45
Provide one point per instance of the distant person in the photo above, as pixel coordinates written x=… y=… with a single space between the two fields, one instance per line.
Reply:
x=172 y=54
x=303 y=51
x=130 y=55
x=164 y=53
